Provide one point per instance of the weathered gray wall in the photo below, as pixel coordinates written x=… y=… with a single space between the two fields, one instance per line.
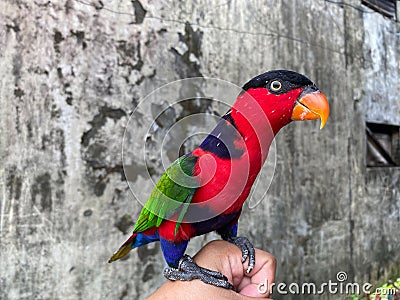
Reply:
x=70 y=75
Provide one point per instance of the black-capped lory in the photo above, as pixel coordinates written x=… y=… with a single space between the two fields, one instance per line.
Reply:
x=204 y=190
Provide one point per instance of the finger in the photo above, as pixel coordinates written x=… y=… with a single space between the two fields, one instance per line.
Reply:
x=227 y=258
x=261 y=277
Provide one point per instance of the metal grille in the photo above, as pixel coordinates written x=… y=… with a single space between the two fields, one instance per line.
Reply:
x=385 y=7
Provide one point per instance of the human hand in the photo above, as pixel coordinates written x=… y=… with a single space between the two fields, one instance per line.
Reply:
x=226 y=258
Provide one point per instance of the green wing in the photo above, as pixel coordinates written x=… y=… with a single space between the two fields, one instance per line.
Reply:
x=172 y=194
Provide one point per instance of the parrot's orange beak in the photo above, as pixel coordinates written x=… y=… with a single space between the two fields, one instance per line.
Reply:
x=311 y=106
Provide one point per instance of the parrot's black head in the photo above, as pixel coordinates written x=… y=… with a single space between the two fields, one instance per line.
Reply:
x=279 y=81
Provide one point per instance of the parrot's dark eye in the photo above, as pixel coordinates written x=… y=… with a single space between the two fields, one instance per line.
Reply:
x=276 y=86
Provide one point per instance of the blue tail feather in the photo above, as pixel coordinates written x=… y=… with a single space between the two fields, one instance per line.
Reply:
x=143 y=239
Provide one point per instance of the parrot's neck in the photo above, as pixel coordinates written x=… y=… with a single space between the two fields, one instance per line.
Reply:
x=249 y=127
x=258 y=124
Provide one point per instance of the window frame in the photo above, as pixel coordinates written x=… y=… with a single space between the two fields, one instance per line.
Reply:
x=374 y=133
x=374 y=4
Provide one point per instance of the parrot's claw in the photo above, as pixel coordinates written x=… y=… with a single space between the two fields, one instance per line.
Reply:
x=247 y=250
x=189 y=270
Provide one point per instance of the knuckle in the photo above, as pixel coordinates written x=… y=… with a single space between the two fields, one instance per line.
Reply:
x=272 y=259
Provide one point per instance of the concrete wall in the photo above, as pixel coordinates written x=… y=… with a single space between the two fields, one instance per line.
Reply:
x=71 y=74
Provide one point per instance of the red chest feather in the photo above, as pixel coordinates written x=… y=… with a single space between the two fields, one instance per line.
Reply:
x=226 y=185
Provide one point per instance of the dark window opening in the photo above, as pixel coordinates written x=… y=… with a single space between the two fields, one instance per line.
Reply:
x=385 y=7
x=383 y=145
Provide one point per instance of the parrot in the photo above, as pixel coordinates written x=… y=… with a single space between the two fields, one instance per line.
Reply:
x=204 y=190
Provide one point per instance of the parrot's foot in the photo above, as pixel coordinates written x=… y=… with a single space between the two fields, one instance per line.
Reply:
x=247 y=250
x=189 y=270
